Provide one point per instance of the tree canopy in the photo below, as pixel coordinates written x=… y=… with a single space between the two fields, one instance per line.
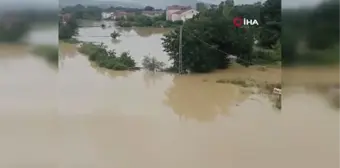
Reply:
x=210 y=36
x=68 y=28
x=149 y=8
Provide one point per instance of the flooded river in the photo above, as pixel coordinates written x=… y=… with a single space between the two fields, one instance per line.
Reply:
x=86 y=116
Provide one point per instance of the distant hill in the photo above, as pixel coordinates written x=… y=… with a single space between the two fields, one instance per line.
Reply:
x=103 y=4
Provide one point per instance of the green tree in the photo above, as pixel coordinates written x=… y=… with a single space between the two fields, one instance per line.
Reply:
x=68 y=28
x=152 y=64
x=207 y=40
x=270 y=21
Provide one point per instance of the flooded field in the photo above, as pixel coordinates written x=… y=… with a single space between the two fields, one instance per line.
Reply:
x=102 y=118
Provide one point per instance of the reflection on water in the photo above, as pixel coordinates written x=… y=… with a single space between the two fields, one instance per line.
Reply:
x=191 y=98
x=115 y=41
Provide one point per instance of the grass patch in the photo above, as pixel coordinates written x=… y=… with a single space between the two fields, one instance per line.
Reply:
x=108 y=58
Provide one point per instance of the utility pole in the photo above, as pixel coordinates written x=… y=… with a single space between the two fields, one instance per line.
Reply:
x=180 y=66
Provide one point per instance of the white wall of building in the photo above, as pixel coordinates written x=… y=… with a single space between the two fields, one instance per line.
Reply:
x=169 y=14
x=188 y=14
x=175 y=17
x=106 y=15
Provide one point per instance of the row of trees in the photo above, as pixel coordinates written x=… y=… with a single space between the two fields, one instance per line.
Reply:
x=210 y=36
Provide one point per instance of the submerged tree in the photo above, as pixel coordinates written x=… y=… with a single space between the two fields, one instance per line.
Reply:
x=152 y=64
x=114 y=35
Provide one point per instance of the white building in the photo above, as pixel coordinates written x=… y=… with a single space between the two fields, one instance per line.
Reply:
x=183 y=15
x=175 y=13
x=107 y=15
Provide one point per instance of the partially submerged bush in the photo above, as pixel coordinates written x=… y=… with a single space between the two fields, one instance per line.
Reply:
x=107 y=58
x=152 y=64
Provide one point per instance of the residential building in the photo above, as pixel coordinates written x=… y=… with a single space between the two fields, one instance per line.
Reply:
x=176 y=13
x=183 y=15
x=175 y=8
x=107 y=15
x=120 y=14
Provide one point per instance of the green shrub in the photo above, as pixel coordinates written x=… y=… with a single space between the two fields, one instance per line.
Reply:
x=126 y=59
x=107 y=58
x=152 y=64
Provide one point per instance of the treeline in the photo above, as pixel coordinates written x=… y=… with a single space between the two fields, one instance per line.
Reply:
x=311 y=35
x=210 y=37
x=95 y=13
x=139 y=20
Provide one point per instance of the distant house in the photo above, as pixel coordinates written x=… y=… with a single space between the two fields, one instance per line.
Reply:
x=120 y=14
x=107 y=15
x=176 y=13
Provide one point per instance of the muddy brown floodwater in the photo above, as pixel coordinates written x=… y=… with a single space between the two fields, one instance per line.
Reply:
x=106 y=119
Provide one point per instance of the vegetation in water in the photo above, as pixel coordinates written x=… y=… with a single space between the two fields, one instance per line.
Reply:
x=49 y=52
x=152 y=64
x=107 y=58
x=114 y=35
x=210 y=37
